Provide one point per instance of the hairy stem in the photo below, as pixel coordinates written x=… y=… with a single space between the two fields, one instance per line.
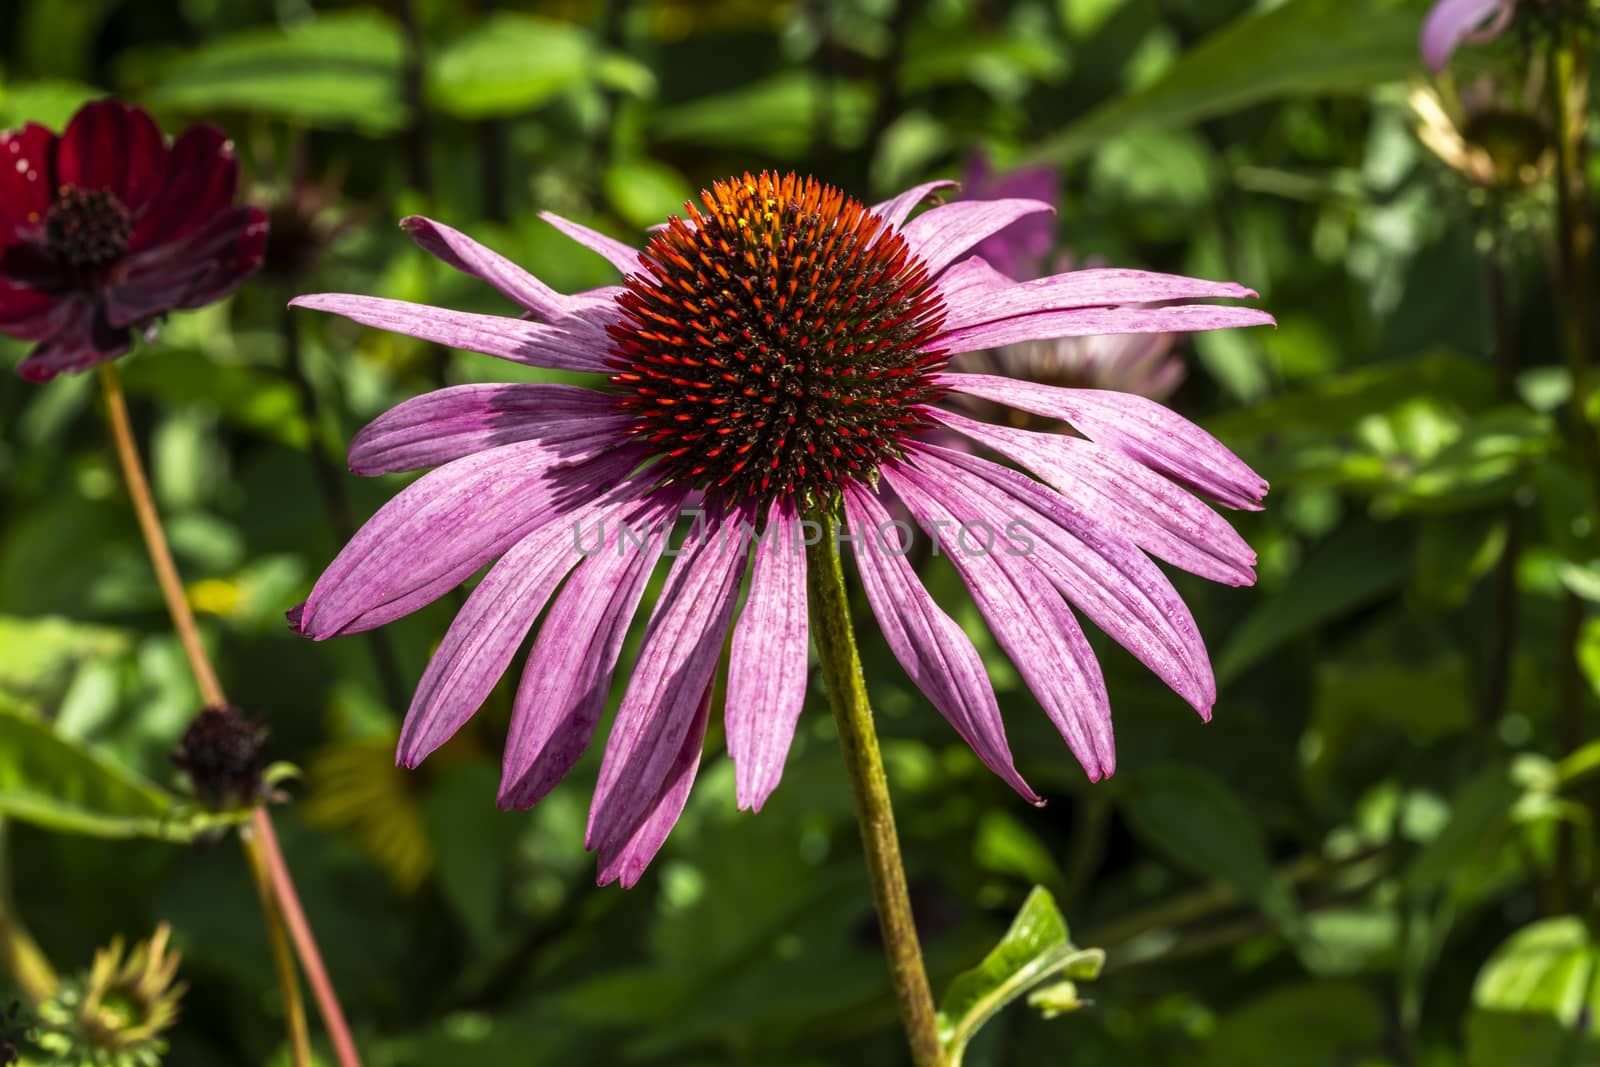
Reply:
x=847 y=691
x=261 y=845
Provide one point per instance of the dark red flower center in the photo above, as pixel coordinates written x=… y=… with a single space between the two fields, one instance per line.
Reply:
x=777 y=342
x=87 y=228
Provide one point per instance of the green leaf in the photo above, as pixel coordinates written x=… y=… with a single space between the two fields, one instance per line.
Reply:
x=509 y=64
x=1300 y=48
x=1531 y=997
x=49 y=103
x=334 y=70
x=1359 y=565
x=1197 y=819
x=56 y=784
x=1035 y=949
x=39 y=656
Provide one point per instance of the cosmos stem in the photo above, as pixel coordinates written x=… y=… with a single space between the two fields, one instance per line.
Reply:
x=847 y=691
x=260 y=843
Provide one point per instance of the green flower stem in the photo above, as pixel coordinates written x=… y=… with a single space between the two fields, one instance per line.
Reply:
x=261 y=844
x=19 y=953
x=847 y=691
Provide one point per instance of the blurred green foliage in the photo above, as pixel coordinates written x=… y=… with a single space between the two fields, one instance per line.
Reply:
x=1362 y=860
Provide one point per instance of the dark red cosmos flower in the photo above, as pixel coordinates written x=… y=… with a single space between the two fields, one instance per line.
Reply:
x=106 y=227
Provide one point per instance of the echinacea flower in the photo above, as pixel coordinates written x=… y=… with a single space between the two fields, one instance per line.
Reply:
x=106 y=227
x=777 y=352
x=115 y=1015
x=1451 y=23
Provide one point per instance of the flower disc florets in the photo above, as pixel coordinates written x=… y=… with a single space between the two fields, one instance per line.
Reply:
x=87 y=228
x=777 y=342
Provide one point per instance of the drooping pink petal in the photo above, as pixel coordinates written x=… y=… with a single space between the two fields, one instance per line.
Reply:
x=767 y=664
x=1138 y=427
x=1105 y=577
x=625 y=861
x=444 y=526
x=1095 y=287
x=928 y=643
x=571 y=344
x=1086 y=322
x=1131 y=499
x=1018 y=249
x=448 y=424
x=896 y=209
x=939 y=237
x=568 y=673
x=1454 y=21
x=487 y=632
x=624 y=257
x=971 y=277
x=1025 y=613
x=468 y=256
x=676 y=662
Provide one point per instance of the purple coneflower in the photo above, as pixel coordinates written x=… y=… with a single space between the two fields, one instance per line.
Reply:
x=1018 y=250
x=106 y=227
x=777 y=352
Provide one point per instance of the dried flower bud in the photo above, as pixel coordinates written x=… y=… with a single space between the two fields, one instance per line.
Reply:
x=223 y=752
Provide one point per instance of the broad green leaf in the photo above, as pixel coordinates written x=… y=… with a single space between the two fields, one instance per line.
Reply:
x=335 y=70
x=61 y=786
x=1303 y=47
x=1531 y=999
x=1359 y=565
x=1194 y=817
x=645 y=192
x=1035 y=949
x=1469 y=855
x=39 y=656
x=509 y=64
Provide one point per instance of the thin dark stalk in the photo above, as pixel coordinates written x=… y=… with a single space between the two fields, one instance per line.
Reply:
x=1574 y=266
x=294 y=1007
x=419 y=168
x=847 y=692
x=334 y=497
x=1503 y=633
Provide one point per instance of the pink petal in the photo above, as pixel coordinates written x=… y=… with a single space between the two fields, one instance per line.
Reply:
x=1096 y=287
x=676 y=662
x=1133 y=500
x=448 y=424
x=1025 y=613
x=929 y=644
x=568 y=674
x=767 y=665
x=1105 y=577
x=487 y=632
x=1453 y=21
x=1134 y=426
x=896 y=209
x=444 y=526
x=626 y=861
x=570 y=345
x=940 y=236
x=470 y=257
x=1086 y=322
x=624 y=257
